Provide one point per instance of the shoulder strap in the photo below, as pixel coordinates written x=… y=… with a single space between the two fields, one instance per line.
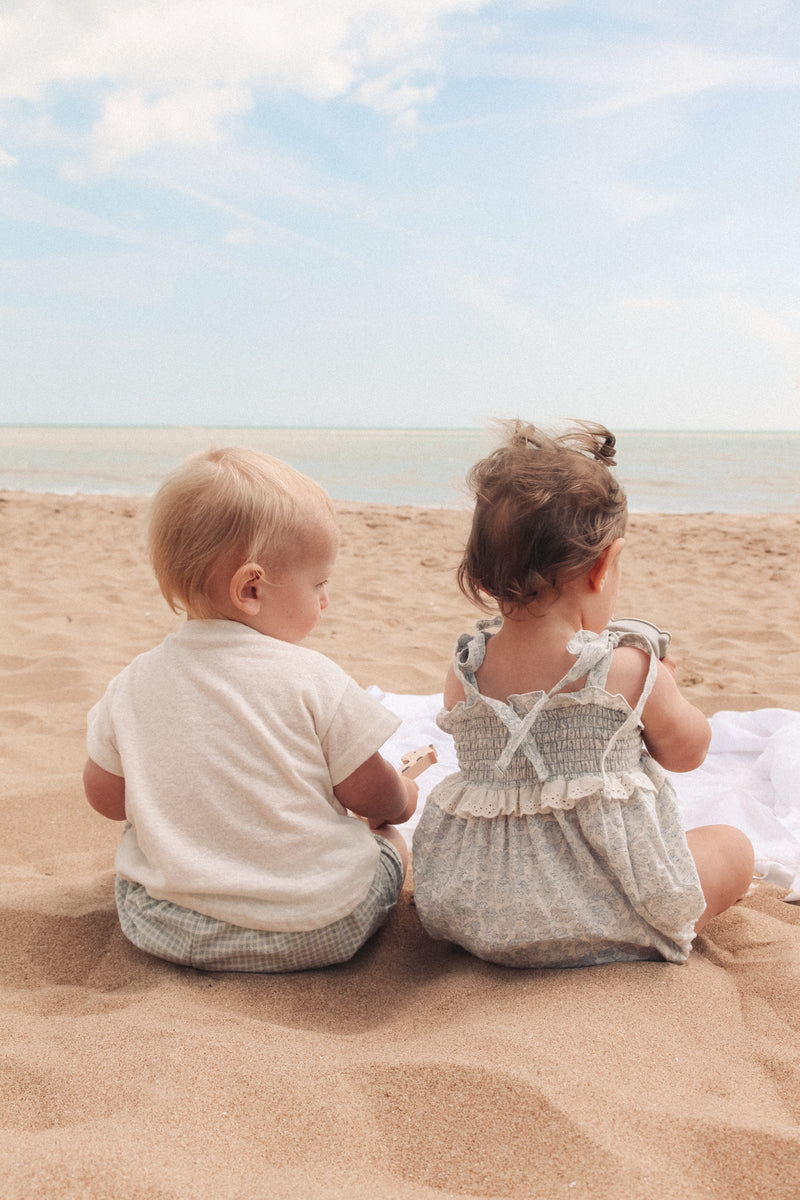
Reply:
x=634 y=717
x=619 y=637
x=641 y=643
x=470 y=652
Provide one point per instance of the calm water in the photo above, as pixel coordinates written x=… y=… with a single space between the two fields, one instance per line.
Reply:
x=662 y=472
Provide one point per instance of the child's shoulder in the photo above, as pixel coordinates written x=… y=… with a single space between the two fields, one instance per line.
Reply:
x=627 y=674
x=225 y=637
x=301 y=666
x=223 y=645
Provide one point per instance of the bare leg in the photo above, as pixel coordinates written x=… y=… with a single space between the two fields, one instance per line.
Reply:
x=393 y=835
x=724 y=860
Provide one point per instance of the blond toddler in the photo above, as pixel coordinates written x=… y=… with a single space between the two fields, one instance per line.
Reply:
x=241 y=761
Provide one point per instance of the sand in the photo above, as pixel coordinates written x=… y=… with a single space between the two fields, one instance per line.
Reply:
x=414 y=1072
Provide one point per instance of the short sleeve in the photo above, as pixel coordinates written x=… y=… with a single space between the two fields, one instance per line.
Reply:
x=101 y=744
x=360 y=725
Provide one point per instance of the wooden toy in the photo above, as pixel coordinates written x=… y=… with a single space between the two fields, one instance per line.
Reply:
x=417 y=761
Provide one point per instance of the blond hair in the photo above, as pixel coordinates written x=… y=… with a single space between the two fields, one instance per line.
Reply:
x=545 y=509
x=230 y=502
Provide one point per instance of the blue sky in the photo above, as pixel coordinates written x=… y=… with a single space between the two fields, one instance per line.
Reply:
x=401 y=213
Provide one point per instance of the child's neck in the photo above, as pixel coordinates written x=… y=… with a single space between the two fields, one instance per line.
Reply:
x=529 y=653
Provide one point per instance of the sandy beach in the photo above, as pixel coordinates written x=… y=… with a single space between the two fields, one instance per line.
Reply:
x=413 y=1072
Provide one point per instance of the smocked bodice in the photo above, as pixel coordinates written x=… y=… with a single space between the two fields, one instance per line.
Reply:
x=540 y=751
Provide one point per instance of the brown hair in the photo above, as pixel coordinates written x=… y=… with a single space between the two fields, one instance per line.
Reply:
x=231 y=501
x=545 y=509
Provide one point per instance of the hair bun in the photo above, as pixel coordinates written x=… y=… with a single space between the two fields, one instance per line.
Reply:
x=591 y=439
x=607 y=451
x=584 y=437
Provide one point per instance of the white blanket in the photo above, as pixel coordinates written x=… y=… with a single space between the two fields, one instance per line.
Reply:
x=750 y=779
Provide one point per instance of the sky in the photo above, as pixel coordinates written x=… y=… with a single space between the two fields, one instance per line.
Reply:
x=400 y=213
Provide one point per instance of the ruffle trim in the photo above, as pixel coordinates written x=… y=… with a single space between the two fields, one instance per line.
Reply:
x=588 y=696
x=462 y=799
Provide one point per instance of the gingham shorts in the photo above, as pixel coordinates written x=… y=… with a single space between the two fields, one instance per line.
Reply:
x=184 y=936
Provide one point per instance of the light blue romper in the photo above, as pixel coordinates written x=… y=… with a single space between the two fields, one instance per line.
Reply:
x=559 y=841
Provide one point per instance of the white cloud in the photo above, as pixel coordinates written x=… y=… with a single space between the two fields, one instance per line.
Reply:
x=730 y=20
x=627 y=74
x=131 y=125
x=393 y=95
x=174 y=71
x=6 y=160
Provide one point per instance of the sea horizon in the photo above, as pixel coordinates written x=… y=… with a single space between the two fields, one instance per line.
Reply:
x=661 y=470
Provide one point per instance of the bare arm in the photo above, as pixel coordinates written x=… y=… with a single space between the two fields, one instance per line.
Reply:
x=375 y=790
x=676 y=733
x=453 y=689
x=104 y=791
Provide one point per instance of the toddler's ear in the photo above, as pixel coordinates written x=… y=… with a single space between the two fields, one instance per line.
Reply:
x=606 y=560
x=245 y=588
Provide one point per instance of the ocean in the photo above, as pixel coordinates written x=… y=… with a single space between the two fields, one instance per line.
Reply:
x=661 y=471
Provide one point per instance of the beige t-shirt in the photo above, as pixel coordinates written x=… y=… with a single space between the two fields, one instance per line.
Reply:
x=230 y=744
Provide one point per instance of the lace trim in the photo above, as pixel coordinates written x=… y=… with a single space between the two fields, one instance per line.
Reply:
x=460 y=798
